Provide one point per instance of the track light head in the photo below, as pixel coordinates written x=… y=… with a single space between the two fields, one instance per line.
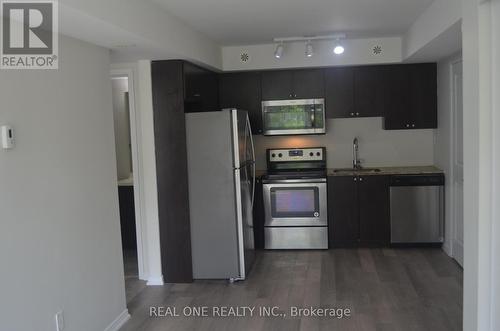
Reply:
x=278 y=53
x=309 y=49
x=338 y=49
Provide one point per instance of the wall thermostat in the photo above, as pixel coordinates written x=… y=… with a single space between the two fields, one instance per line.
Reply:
x=7 y=137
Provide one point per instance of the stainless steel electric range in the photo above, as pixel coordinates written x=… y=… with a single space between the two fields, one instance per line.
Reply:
x=295 y=199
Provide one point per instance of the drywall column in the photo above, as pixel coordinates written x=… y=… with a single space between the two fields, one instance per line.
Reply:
x=152 y=230
x=480 y=131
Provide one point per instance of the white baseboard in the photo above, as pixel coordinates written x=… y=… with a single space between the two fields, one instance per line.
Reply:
x=119 y=321
x=155 y=281
x=458 y=252
x=447 y=248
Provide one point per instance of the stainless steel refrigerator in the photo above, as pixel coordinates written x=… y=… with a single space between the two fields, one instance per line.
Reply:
x=221 y=171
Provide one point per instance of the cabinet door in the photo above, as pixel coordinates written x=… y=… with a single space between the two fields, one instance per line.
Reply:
x=201 y=89
x=369 y=91
x=308 y=84
x=339 y=92
x=277 y=85
x=243 y=91
x=373 y=199
x=423 y=86
x=343 y=225
x=398 y=108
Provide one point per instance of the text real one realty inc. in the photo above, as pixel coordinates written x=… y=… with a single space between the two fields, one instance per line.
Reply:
x=247 y=311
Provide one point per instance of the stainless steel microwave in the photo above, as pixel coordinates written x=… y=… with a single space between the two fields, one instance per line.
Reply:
x=287 y=117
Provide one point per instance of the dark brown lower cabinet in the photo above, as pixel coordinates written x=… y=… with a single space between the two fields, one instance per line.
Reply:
x=358 y=211
x=373 y=210
x=258 y=215
x=343 y=217
x=127 y=217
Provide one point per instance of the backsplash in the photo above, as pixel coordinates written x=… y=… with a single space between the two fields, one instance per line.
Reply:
x=377 y=147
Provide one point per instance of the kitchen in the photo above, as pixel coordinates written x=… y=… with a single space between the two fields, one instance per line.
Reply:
x=352 y=176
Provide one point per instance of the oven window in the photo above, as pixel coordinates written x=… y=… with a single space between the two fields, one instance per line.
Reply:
x=295 y=202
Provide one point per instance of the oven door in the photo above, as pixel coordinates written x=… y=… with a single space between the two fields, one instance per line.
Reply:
x=300 y=202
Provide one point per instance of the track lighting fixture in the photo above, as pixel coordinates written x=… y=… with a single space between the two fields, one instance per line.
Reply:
x=309 y=51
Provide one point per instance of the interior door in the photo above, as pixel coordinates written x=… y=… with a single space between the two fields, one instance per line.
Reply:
x=458 y=164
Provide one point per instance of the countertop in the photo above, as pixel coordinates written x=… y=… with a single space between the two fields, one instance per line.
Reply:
x=417 y=170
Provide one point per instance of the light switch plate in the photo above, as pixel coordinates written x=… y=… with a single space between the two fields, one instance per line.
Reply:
x=7 y=135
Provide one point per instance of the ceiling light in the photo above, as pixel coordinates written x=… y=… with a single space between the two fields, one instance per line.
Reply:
x=338 y=49
x=279 y=51
x=309 y=49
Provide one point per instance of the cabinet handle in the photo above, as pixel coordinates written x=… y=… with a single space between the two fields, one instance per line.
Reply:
x=357 y=114
x=407 y=125
x=360 y=179
x=291 y=95
x=413 y=125
x=295 y=95
x=352 y=114
x=355 y=179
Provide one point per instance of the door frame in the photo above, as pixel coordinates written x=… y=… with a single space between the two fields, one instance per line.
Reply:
x=137 y=169
x=456 y=252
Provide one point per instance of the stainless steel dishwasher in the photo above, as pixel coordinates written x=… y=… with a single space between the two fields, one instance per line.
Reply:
x=417 y=209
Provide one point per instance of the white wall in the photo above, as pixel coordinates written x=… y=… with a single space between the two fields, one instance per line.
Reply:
x=436 y=19
x=357 y=51
x=121 y=116
x=60 y=232
x=377 y=147
x=136 y=30
x=443 y=141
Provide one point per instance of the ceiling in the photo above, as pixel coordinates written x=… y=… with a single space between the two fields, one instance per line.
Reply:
x=240 y=22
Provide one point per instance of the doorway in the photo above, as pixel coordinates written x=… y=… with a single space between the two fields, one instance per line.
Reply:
x=128 y=184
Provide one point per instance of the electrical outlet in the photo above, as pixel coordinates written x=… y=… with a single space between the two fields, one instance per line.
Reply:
x=59 y=321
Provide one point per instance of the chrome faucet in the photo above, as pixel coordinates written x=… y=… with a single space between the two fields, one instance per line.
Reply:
x=356 y=162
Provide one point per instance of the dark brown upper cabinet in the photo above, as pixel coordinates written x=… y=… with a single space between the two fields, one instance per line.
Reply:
x=339 y=92
x=200 y=89
x=242 y=90
x=358 y=211
x=369 y=83
x=411 y=97
x=293 y=84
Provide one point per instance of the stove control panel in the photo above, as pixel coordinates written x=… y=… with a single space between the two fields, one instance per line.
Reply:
x=296 y=154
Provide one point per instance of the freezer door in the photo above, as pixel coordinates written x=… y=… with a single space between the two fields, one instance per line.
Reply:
x=242 y=139
x=243 y=147
x=246 y=248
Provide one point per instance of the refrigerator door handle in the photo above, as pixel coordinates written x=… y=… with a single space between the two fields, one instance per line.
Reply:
x=253 y=160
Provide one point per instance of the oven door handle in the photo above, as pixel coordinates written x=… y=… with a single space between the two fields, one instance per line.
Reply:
x=294 y=181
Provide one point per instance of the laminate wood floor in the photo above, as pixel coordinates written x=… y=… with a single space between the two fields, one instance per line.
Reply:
x=133 y=285
x=385 y=289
